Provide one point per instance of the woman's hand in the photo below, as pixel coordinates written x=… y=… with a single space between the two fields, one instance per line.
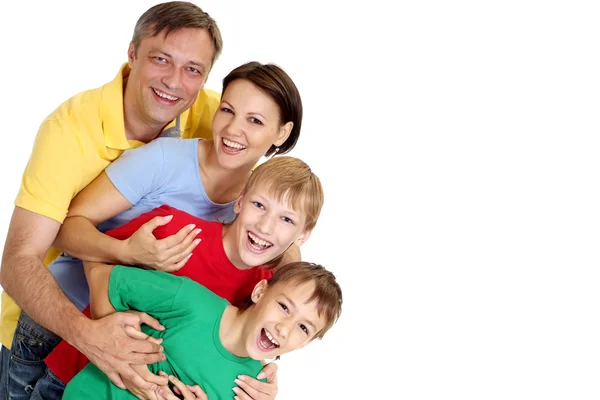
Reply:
x=253 y=389
x=169 y=254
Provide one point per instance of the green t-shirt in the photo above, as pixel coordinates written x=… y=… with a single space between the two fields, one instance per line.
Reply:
x=191 y=315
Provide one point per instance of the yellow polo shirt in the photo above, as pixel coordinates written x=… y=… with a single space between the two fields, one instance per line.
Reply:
x=74 y=145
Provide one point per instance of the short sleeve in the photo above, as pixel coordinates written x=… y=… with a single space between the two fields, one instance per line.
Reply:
x=54 y=172
x=144 y=290
x=138 y=171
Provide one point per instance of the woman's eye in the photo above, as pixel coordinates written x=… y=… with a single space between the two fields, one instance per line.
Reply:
x=227 y=110
x=255 y=121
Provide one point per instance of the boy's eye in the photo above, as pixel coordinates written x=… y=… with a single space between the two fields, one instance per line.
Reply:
x=283 y=307
x=304 y=328
x=288 y=220
x=258 y=205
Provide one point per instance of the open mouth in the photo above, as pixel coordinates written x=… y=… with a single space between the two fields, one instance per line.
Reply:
x=266 y=341
x=232 y=147
x=257 y=244
x=165 y=96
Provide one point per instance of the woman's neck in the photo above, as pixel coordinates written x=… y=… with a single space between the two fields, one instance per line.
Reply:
x=220 y=184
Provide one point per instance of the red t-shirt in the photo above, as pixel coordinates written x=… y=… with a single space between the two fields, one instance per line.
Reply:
x=208 y=266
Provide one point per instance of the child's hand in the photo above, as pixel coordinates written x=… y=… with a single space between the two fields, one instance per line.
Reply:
x=254 y=389
x=145 y=394
x=187 y=391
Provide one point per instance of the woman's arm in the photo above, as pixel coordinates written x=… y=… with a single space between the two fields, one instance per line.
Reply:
x=79 y=237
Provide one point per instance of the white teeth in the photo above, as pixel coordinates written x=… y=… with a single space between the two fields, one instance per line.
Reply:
x=271 y=338
x=165 y=96
x=235 y=145
x=259 y=241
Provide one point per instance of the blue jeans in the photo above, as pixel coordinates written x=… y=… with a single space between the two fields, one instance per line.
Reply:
x=23 y=365
x=49 y=387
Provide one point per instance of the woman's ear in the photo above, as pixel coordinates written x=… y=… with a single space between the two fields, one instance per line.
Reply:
x=259 y=290
x=284 y=133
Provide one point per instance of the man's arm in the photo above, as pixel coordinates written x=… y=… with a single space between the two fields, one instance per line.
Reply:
x=24 y=277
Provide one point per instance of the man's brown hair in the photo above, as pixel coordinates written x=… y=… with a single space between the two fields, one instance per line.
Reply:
x=174 y=16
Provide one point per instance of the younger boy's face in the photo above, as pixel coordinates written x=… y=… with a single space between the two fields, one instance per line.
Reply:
x=282 y=320
x=264 y=229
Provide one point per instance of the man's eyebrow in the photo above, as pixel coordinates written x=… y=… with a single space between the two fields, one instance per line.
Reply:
x=193 y=62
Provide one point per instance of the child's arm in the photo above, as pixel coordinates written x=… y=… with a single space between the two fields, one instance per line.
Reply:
x=98 y=276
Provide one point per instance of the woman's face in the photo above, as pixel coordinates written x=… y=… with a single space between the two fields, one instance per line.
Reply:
x=246 y=125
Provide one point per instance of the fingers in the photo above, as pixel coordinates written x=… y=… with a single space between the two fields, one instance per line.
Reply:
x=139 y=335
x=252 y=389
x=144 y=358
x=156 y=222
x=182 y=239
x=116 y=379
x=128 y=373
x=188 y=392
x=269 y=371
x=148 y=320
x=177 y=266
x=141 y=345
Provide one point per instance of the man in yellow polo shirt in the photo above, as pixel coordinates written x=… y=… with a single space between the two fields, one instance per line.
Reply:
x=171 y=53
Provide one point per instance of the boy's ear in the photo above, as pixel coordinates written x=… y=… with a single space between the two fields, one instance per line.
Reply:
x=130 y=54
x=284 y=133
x=302 y=238
x=238 y=204
x=259 y=291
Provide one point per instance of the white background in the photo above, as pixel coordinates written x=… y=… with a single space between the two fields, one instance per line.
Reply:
x=458 y=146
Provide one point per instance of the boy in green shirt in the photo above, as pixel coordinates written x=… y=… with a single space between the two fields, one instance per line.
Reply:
x=205 y=334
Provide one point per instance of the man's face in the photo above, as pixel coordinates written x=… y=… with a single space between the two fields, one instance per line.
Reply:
x=167 y=72
x=282 y=319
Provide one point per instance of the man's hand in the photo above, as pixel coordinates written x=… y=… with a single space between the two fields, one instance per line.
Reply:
x=169 y=254
x=112 y=344
x=188 y=392
x=253 y=389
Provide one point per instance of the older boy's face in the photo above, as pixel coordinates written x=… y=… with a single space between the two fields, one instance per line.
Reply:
x=263 y=229
x=167 y=72
x=282 y=320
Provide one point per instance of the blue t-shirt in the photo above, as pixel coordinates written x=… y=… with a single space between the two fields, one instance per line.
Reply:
x=165 y=171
